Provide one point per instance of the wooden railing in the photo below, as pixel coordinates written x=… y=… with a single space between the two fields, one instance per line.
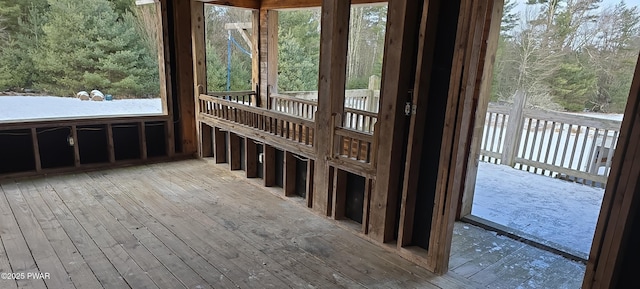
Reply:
x=249 y=120
x=294 y=106
x=568 y=146
x=354 y=119
x=357 y=149
x=359 y=120
x=244 y=97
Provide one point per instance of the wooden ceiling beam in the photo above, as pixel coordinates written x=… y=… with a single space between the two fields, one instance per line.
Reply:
x=277 y=4
x=251 y=4
x=288 y=4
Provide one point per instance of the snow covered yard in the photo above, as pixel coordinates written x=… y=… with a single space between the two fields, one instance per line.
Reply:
x=553 y=210
x=38 y=107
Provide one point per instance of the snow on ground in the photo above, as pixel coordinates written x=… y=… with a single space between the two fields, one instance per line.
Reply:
x=553 y=210
x=37 y=107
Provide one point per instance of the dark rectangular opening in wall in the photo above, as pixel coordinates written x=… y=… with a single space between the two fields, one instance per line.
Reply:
x=301 y=177
x=126 y=141
x=260 y=160
x=16 y=151
x=279 y=168
x=243 y=156
x=355 y=197
x=156 y=137
x=93 y=144
x=55 y=150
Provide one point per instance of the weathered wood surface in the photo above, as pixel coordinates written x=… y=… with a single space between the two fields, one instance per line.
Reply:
x=189 y=224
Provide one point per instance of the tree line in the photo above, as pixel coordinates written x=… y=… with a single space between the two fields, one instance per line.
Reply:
x=298 y=48
x=60 y=47
x=571 y=55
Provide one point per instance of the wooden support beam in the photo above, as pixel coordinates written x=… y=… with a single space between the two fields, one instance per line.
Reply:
x=339 y=194
x=235 y=161
x=251 y=158
x=36 y=149
x=368 y=187
x=287 y=4
x=397 y=80
x=255 y=56
x=269 y=165
x=184 y=72
x=142 y=132
x=290 y=169
x=252 y=4
x=220 y=145
x=606 y=266
x=110 y=145
x=310 y=183
x=206 y=139
x=458 y=127
x=268 y=32
x=333 y=58
x=199 y=63
x=76 y=147
x=483 y=95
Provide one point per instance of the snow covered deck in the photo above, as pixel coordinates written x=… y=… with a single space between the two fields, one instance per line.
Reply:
x=557 y=213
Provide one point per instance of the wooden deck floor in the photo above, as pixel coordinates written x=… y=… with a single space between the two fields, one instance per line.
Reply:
x=188 y=224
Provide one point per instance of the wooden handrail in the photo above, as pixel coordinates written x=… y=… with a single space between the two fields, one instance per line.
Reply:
x=294 y=99
x=230 y=93
x=361 y=112
x=354 y=134
x=258 y=110
x=563 y=117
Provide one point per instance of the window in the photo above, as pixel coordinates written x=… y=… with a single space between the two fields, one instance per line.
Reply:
x=68 y=60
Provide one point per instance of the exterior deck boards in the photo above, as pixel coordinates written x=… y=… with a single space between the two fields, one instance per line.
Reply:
x=194 y=224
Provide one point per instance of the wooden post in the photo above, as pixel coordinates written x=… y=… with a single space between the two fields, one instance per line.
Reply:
x=142 y=131
x=374 y=84
x=199 y=64
x=289 y=169
x=309 y=185
x=251 y=158
x=397 y=81
x=234 y=152
x=269 y=165
x=206 y=139
x=220 y=145
x=268 y=32
x=483 y=95
x=36 y=149
x=255 y=55
x=333 y=59
x=514 y=130
x=339 y=194
x=76 y=147
x=184 y=69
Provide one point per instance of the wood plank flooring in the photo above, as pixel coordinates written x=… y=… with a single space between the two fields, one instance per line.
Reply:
x=188 y=224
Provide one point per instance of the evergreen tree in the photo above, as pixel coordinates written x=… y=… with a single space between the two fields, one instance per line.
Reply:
x=22 y=27
x=298 y=50
x=87 y=46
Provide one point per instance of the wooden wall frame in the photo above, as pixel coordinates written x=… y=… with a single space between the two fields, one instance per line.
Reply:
x=397 y=81
x=620 y=202
x=334 y=38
